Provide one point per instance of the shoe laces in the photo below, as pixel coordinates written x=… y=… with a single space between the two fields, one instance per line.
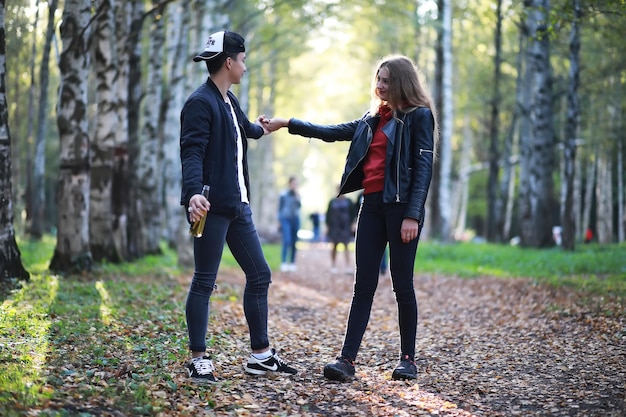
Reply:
x=204 y=366
x=278 y=358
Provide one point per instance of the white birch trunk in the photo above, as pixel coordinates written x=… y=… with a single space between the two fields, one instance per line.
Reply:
x=604 y=198
x=103 y=146
x=119 y=198
x=447 y=122
x=72 y=250
x=462 y=188
x=264 y=196
x=10 y=259
x=176 y=226
x=148 y=165
x=536 y=224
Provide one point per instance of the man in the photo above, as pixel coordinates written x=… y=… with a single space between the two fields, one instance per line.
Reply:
x=213 y=145
x=289 y=217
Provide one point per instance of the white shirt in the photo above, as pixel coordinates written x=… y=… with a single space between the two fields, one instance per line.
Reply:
x=240 y=177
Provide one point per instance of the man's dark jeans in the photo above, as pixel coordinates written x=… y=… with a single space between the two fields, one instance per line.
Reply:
x=242 y=238
x=379 y=223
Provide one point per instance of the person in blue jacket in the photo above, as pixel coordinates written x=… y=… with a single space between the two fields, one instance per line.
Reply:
x=391 y=158
x=213 y=144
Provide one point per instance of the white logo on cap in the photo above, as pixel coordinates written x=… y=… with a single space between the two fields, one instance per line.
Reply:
x=215 y=43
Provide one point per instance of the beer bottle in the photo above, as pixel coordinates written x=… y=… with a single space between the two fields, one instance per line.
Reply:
x=197 y=227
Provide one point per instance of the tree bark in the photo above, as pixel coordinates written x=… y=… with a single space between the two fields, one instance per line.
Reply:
x=604 y=198
x=149 y=164
x=135 y=216
x=101 y=222
x=33 y=210
x=11 y=266
x=176 y=225
x=568 y=219
x=433 y=216
x=621 y=210
x=72 y=252
x=261 y=159
x=494 y=209
x=38 y=197
x=590 y=186
x=441 y=227
x=462 y=193
x=119 y=185
x=536 y=204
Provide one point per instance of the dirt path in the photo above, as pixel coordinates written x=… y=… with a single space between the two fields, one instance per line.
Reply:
x=485 y=347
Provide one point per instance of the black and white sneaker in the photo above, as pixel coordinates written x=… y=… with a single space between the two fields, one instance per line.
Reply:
x=201 y=369
x=274 y=363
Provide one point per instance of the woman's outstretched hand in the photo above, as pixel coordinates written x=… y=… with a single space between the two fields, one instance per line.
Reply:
x=276 y=123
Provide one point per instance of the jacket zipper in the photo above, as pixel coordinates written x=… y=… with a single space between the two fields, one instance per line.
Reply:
x=369 y=137
x=426 y=150
x=401 y=122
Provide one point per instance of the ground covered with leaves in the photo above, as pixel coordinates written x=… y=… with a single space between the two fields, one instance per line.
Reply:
x=486 y=347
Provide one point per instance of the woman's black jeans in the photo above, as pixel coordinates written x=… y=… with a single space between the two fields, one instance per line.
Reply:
x=242 y=238
x=379 y=223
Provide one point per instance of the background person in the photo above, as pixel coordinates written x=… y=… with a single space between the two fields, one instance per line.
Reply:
x=339 y=219
x=289 y=217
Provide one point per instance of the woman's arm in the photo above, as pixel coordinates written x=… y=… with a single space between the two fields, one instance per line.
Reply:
x=422 y=152
x=328 y=133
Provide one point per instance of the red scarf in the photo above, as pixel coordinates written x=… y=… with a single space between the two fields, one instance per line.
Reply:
x=385 y=114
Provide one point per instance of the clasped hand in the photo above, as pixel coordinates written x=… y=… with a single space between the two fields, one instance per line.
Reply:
x=271 y=125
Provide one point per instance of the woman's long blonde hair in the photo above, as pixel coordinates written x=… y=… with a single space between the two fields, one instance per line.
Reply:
x=407 y=88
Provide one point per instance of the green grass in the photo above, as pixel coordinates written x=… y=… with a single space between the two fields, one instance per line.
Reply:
x=593 y=268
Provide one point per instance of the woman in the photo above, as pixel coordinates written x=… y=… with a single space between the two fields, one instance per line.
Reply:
x=391 y=159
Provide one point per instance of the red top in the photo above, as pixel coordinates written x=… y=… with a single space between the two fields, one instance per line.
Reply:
x=374 y=165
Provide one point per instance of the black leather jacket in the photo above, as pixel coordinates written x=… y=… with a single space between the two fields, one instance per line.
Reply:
x=409 y=160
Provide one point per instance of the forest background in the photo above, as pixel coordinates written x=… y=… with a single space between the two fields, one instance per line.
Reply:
x=530 y=99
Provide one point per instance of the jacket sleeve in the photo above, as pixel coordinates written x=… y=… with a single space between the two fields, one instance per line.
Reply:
x=422 y=152
x=328 y=133
x=195 y=128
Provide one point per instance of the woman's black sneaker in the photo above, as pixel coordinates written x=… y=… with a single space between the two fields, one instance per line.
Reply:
x=406 y=369
x=340 y=370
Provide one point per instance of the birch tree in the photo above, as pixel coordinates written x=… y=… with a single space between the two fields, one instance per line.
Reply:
x=101 y=222
x=440 y=189
x=10 y=257
x=30 y=207
x=135 y=216
x=568 y=219
x=119 y=185
x=72 y=251
x=39 y=158
x=494 y=212
x=604 y=197
x=536 y=199
x=148 y=168
x=178 y=53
